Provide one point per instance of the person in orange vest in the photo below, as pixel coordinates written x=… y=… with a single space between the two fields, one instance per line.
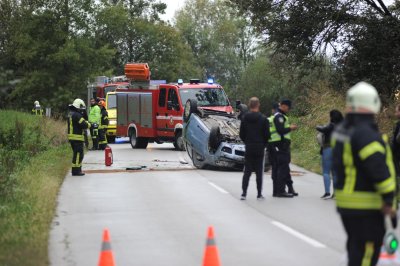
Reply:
x=103 y=125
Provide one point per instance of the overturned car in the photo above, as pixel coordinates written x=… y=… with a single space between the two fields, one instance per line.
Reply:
x=212 y=137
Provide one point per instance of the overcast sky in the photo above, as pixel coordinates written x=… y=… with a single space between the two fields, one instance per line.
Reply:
x=172 y=6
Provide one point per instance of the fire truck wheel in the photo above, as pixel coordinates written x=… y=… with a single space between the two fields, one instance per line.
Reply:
x=190 y=108
x=197 y=162
x=215 y=138
x=178 y=143
x=137 y=142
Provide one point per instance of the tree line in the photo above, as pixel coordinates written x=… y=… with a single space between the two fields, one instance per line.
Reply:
x=49 y=50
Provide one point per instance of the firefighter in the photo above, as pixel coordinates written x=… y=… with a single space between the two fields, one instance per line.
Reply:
x=37 y=109
x=94 y=120
x=366 y=183
x=280 y=144
x=77 y=125
x=103 y=125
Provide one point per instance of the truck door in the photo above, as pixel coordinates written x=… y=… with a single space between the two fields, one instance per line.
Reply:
x=174 y=110
x=168 y=112
x=162 y=112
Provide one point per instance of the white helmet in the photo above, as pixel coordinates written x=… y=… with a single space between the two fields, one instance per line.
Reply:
x=364 y=96
x=79 y=104
x=36 y=103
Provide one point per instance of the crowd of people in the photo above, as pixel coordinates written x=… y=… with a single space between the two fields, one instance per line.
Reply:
x=357 y=159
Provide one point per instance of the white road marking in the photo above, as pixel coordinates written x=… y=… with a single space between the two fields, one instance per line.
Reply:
x=218 y=188
x=299 y=235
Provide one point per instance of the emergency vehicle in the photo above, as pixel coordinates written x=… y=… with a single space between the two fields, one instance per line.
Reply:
x=153 y=113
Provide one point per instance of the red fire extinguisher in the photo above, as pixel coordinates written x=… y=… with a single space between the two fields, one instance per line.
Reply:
x=109 y=156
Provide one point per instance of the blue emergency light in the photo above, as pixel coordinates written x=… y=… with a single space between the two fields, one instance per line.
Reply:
x=210 y=81
x=180 y=81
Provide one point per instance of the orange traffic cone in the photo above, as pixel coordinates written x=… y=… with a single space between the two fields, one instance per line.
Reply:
x=211 y=257
x=106 y=255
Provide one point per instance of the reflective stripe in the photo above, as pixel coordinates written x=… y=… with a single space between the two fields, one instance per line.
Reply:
x=76 y=137
x=81 y=120
x=371 y=149
x=386 y=186
x=287 y=125
x=369 y=252
x=210 y=242
x=359 y=200
x=349 y=169
x=105 y=246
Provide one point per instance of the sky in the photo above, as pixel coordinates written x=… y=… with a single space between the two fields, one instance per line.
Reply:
x=172 y=6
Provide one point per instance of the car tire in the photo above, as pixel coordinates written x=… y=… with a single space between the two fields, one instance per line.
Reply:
x=196 y=162
x=179 y=144
x=190 y=108
x=215 y=138
x=136 y=142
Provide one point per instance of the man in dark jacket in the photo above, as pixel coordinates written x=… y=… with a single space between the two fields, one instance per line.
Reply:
x=254 y=131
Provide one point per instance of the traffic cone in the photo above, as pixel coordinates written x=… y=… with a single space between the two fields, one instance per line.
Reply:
x=106 y=255
x=211 y=257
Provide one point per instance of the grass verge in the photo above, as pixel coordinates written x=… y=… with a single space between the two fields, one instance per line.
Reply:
x=29 y=192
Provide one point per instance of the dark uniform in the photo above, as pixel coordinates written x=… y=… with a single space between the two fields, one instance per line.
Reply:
x=365 y=183
x=279 y=145
x=103 y=129
x=254 y=131
x=76 y=128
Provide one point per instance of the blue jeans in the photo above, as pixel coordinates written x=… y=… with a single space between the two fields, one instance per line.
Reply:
x=327 y=168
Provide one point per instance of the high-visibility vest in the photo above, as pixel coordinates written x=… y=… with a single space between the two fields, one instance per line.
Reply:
x=275 y=136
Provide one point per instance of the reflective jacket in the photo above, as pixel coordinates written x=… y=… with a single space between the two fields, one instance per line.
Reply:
x=76 y=126
x=279 y=127
x=37 y=111
x=104 y=118
x=95 y=114
x=362 y=161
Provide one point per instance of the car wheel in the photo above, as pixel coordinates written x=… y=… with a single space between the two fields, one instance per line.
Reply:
x=133 y=138
x=215 y=138
x=179 y=143
x=197 y=162
x=190 y=108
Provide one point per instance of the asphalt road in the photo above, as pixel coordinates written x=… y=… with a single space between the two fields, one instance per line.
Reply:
x=159 y=215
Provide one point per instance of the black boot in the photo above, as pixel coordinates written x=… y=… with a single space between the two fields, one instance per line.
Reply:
x=291 y=190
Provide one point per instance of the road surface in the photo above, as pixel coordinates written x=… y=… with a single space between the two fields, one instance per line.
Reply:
x=159 y=215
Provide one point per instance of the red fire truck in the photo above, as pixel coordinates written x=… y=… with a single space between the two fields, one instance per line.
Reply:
x=148 y=113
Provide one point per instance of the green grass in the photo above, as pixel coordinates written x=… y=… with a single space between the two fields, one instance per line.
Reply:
x=28 y=190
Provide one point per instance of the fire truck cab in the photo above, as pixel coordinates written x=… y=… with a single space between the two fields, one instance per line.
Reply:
x=154 y=113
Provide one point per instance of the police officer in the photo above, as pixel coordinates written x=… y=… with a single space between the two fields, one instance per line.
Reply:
x=254 y=131
x=77 y=125
x=280 y=145
x=362 y=160
x=37 y=109
x=103 y=125
x=95 y=120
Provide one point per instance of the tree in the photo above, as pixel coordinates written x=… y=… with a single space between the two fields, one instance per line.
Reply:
x=219 y=38
x=142 y=37
x=304 y=28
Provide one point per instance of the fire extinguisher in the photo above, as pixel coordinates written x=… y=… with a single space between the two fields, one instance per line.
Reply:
x=109 y=156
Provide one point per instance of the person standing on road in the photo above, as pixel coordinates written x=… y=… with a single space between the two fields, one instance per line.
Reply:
x=94 y=120
x=103 y=125
x=326 y=151
x=77 y=124
x=254 y=131
x=280 y=144
x=37 y=109
x=366 y=182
